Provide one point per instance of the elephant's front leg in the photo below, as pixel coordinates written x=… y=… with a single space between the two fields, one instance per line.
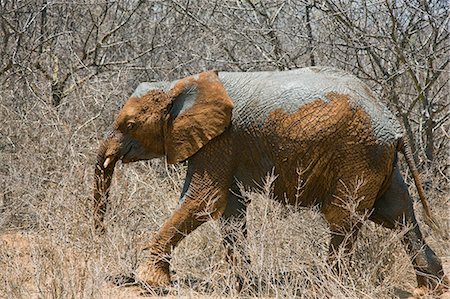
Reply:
x=204 y=200
x=234 y=225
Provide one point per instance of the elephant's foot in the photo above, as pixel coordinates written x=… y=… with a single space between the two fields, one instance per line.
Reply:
x=154 y=274
x=422 y=292
x=429 y=286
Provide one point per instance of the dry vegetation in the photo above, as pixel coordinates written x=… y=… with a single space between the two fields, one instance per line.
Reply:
x=65 y=69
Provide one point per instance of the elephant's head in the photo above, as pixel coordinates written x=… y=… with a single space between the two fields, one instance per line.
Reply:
x=175 y=124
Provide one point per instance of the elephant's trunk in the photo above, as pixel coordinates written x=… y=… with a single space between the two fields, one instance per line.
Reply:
x=104 y=170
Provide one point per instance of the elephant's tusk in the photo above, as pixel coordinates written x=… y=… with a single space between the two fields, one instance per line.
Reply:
x=107 y=162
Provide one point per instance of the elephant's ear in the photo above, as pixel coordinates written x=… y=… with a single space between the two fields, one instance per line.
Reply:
x=201 y=110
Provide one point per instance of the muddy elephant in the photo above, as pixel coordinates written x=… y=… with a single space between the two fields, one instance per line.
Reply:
x=321 y=126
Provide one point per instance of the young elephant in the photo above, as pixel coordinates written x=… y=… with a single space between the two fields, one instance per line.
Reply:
x=321 y=124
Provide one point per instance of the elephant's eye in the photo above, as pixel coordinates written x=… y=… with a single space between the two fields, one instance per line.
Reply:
x=131 y=125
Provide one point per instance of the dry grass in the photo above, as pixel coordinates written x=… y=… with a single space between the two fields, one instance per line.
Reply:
x=48 y=248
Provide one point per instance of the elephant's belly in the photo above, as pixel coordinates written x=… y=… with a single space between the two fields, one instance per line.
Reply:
x=254 y=174
x=288 y=185
x=295 y=178
x=325 y=178
x=305 y=179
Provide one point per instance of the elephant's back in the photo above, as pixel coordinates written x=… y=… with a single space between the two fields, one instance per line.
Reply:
x=258 y=94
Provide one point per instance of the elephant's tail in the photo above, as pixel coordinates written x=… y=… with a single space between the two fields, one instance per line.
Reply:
x=429 y=219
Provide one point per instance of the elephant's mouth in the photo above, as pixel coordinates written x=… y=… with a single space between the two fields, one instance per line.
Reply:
x=111 y=160
x=124 y=154
x=126 y=157
x=134 y=151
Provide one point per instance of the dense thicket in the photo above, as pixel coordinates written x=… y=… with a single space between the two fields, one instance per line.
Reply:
x=67 y=66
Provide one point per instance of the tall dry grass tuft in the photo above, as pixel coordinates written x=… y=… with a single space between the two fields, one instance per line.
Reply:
x=48 y=248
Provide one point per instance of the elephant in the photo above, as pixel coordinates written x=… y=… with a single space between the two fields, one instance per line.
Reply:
x=318 y=125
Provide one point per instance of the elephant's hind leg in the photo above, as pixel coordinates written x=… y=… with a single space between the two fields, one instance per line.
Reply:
x=395 y=210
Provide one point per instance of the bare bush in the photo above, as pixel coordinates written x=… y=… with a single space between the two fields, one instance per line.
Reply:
x=287 y=248
x=66 y=67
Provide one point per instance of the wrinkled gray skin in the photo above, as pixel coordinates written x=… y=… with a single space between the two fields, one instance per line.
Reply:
x=255 y=96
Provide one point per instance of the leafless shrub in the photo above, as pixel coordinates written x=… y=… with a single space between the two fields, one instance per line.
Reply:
x=66 y=67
